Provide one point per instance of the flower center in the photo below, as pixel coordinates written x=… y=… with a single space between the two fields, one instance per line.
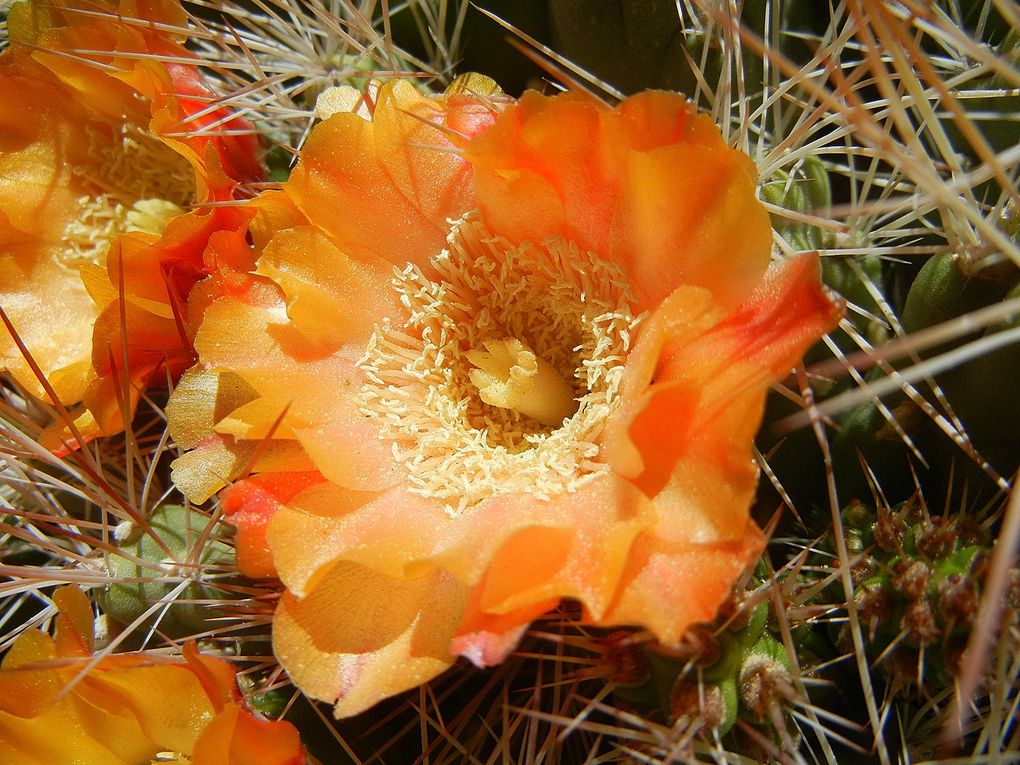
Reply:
x=505 y=369
x=134 y=182
x=510 y=375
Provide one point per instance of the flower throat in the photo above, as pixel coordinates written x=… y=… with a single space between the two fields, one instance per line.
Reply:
x=505 y=370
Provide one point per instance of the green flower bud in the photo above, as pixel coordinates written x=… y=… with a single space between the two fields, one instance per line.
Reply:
x=943 y=290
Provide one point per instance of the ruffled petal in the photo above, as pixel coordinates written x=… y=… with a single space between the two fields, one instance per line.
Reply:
x=650 y=185
x=686 y=440
x=395 y=179
x=340 y=304
x=386 y=533
x=40 y=143
x=518 y=551
x=360 y=636
x=250 y=505
x=667 y=587
x=235 y=737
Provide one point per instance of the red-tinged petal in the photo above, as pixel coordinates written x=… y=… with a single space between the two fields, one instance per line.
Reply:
x=360 y=636
x=682 y=317
x=223 y=148
x=487 y=639
x=707 y=391
x=789 y=310
x=217 y=461
x=249 y=505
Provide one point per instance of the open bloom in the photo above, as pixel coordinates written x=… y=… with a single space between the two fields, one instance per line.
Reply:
x=127 y=709
x=494 y=355
x=100 y=160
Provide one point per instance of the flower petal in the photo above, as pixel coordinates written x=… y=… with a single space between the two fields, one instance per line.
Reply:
x=396 y=179
x=668 y=587
x=518 y=551
x=249 y=505
x=360 y=636
x=325 y=524
x=650 y=185
x=235 y=737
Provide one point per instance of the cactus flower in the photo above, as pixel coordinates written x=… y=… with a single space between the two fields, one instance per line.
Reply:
x=128 y=708
x=494 y=355
x=101 y=161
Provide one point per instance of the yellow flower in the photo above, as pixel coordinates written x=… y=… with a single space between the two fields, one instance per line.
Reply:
x=128 y=708
x=494 y=355
x=90 y=184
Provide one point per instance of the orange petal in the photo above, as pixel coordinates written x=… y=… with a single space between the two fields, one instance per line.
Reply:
x=201 y=399
x=338 y=303
x=74 y=622
x=385 y=533
x=518 y=551
x=217 y=461
x=348 y=451
x=25 y=689
x=649 y=184
x=360 y=636
x=249 y=505
x=487 y=639
x=235 y=737
x=707 y=391
x=668 y=587
x=167 y=702
x=395 y=179
x=52 y=315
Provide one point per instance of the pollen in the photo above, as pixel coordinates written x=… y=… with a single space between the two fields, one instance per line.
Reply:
x=133 y=182
x=504 y=370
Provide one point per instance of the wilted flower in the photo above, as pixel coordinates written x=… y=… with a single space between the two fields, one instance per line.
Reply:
x=126 y=708
x=100 y=160
x=494 y=355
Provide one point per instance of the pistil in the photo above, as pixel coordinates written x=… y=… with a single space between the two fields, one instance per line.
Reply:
x=509 y=375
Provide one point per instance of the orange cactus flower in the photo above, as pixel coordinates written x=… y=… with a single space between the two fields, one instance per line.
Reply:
x=502 y=354
x=60 y=704
x=97 y=180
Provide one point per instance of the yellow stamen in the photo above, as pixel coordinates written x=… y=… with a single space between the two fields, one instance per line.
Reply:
x=471 y=415
x=511 y=376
